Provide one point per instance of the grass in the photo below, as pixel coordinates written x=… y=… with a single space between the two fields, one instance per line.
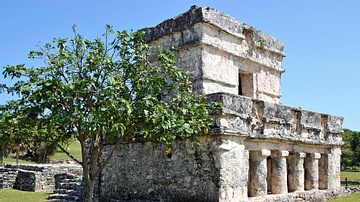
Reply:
x=73 y=148
x=350 y=175
x=12 y=160
x=350 y=198
x=13 y=195
x=353 y=197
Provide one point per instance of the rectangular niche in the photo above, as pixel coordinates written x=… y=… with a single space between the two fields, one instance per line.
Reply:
x=245 y=86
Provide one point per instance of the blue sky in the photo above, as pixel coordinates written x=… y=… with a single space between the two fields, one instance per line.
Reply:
x=321 y=39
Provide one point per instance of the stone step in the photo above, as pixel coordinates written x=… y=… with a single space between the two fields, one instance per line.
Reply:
x=63 y=197
x=69 y=185
x=71 y=192
x=54 y=200
x=257 y=199
x=72 y=180
x=64 y=176
x=57 y=196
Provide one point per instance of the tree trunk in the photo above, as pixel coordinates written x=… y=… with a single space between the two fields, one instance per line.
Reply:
x=89 y=191
x=88 y=169
x=1 y=156
x=17 y=156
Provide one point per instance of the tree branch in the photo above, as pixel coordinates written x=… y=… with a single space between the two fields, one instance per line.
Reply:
x=67 y=153
x=116 y=147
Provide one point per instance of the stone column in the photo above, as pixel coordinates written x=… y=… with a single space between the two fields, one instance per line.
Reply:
x=296 y=172
x=334 y=168
x=312 y=171
x=329 y=169
x=279 y=172
x=258 y=173
x=233 y=162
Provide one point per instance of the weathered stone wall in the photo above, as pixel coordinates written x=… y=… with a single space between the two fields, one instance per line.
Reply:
x=38 y=178
x=256 y=148
x=7 y=178
x=215 y=175
x=144 y=171
x=28 y=181
x=217 y=48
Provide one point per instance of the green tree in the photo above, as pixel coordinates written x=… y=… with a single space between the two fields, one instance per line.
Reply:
x=109 y=90
x=351 y=149
x=11 y=128
x=3 y=138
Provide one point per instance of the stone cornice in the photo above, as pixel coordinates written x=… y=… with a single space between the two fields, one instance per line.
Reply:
x=258 y=119
x=216 y=18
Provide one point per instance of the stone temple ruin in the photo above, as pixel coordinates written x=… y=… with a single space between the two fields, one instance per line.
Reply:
x=258 y=150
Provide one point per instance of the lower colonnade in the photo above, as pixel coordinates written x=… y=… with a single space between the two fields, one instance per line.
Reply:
x=281 y=172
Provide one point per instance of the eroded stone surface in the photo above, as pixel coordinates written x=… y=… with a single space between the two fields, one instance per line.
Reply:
x=259 y=119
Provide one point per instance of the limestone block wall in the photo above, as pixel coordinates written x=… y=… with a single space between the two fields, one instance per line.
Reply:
x=28 y=181
x=38 y=178
x=224 y=54
x=143 y=171
x=7 y=178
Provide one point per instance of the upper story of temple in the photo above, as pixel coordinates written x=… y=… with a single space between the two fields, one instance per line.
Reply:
x=223 y=53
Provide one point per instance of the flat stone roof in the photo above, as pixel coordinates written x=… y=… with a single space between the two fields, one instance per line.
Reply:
x=214 y=17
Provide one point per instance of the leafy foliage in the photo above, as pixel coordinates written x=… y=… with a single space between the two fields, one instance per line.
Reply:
x=111 y=89
x=19 y=130
x=351 y=149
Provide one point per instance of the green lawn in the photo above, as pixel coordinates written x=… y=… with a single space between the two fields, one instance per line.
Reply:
x=350 y=175
x=12 y=160
x=73 y=149
x=351 y=198
x=12 y=195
